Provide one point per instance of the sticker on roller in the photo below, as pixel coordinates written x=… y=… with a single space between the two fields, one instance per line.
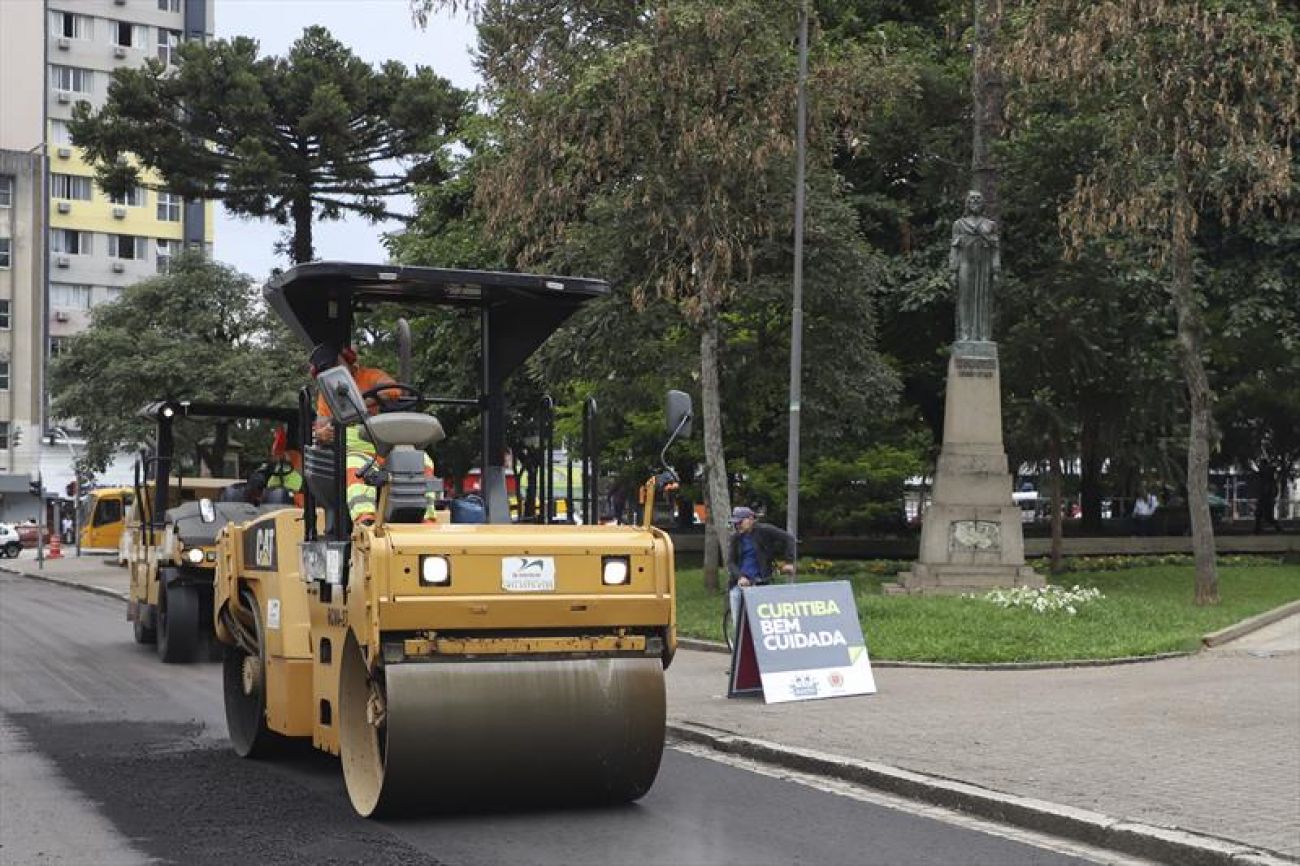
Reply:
x=273 y=613
x=528 y=574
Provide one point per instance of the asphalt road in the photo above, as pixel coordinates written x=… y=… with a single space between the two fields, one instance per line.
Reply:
x=108 y=756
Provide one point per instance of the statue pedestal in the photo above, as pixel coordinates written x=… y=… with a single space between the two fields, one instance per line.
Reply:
x=971 y=538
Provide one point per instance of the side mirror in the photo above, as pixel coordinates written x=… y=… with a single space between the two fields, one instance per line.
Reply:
x=679 y=414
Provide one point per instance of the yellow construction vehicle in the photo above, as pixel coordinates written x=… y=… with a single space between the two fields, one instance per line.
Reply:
x=445 y=663
x=102 y=516
x=170 y=547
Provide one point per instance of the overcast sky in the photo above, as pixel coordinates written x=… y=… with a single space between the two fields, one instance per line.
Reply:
x=376 y=30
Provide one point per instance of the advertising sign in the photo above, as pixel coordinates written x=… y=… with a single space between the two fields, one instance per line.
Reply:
x=798 y=642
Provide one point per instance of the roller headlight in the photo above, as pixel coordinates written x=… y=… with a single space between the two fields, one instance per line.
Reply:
x=615 y=570
x=435 y=571
x=193 y=555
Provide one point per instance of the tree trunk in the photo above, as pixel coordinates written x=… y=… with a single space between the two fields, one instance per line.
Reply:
x=214 y=457
x=1090 y=463
x=715 y=461
x=713 y=554
x=302 y=242
x=1054 y=458
x=1199 y=398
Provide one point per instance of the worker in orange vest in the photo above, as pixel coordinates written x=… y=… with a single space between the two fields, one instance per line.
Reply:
x=362 y=499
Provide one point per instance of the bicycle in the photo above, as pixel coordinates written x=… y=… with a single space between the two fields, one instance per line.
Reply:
x=728 y=628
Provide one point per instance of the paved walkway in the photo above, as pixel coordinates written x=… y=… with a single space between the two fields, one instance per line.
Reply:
x=1208 y=744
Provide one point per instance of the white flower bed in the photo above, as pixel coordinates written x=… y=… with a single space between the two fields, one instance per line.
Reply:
x=1049 y=599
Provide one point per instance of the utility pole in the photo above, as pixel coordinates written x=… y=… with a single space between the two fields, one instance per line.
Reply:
x=796 y=316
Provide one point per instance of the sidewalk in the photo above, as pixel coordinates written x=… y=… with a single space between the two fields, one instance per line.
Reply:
x=1188 y=760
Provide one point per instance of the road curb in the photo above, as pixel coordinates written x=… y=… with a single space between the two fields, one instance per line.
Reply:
x=1254 y=623
x=1165 y=844
x=717 y=647
x=71 y=584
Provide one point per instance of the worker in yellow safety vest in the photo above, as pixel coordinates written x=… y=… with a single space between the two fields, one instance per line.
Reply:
x=362 y=498
x=285 y=470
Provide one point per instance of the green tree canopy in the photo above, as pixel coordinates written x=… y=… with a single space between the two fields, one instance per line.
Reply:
x=199 y=331
x=306 y=136
x=1199 y=109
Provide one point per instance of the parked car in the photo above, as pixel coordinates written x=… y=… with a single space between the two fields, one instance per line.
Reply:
x=11 y=542
x=29 y=532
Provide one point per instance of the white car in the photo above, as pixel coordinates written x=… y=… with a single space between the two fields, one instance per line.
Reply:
x=10 y=543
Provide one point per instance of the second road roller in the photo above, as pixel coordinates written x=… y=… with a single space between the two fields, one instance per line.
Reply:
x=448 y=664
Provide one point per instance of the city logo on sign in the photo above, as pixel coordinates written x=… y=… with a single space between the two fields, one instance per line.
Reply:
x=803 y=686
x=836 y=679
x=526 y=564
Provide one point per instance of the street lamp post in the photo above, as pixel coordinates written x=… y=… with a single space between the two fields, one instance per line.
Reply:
x=796 y=316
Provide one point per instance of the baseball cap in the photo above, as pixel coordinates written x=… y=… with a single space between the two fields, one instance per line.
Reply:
x=740 y=513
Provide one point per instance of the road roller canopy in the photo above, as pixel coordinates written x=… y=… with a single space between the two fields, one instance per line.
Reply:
x=166 y=412
x=519 y=311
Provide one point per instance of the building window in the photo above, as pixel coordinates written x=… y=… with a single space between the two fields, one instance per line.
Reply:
x=4 y=314
x=129 y=35
x=69 y=296
x=6 y=191
x=4 y=375
x=165 y=250
x=70 y=186
x=73 y=79
x=169 y=207
x=72 y=25
x=61 y=133
x=134 y=197
x=126 y=247
x=169 y=5
x=70 y=242
x=168 y=43
x=4 y=435
x=59 y=345
x=6 y=253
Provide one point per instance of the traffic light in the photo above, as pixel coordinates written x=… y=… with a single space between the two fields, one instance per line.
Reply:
x=16 y=437
x=34 y=487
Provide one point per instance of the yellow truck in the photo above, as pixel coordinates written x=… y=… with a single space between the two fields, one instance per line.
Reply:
x=445 y=663
x=171 y=544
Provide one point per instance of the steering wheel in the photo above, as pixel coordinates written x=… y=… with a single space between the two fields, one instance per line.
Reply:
x=408 y=399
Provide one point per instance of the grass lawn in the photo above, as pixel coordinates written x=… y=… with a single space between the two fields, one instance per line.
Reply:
x=1146 y=610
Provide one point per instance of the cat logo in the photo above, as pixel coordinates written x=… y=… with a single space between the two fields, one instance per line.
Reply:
x=265 y=547
x=259 y=548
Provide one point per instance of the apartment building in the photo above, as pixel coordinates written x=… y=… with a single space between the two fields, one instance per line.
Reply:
x=65 y=245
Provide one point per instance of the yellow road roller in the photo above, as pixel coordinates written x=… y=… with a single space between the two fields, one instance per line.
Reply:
x=448 y=664
x=171 y=551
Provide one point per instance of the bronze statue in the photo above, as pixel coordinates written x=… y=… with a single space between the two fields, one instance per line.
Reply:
x=974 y=267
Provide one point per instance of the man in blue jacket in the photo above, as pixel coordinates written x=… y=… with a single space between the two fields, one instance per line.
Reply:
x=754 y=546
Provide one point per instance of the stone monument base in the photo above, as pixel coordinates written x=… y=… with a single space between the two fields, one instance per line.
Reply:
x=971 y=536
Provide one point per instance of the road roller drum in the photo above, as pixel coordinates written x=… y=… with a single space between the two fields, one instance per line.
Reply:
x=452 y=735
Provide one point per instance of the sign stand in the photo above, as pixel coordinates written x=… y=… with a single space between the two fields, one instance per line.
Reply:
x=798 y=642
x=745 y=678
